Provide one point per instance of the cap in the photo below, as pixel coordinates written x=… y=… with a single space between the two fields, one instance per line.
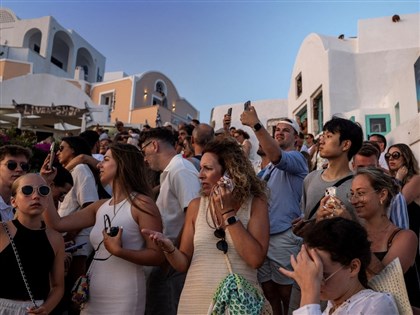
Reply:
x=103 y=136
x=290 y=122
x=219 y=131
x=167 y=124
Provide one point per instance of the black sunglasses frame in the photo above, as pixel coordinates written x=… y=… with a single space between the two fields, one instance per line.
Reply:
x=221 y=245
x=394 y=155
x=12 y=165
x=26 y=192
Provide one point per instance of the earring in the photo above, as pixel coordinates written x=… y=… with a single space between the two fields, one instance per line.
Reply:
x=381 y=202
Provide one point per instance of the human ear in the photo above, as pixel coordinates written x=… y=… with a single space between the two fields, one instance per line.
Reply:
x=355 y=267
x=346 y=145
x=13 y=202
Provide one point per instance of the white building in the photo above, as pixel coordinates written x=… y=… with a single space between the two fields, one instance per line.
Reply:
x=373 y=79
x=49 y=47
x=52 y=79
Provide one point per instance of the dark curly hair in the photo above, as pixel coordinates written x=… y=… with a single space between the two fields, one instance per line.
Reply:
x=231 y=157
x=344 y=240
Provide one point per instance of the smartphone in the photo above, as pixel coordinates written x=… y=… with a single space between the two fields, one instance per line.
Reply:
x=331 y=191
x=74 y=247
x=229 y=112
x=228 y=181
x=247 y=104
x=52 y=156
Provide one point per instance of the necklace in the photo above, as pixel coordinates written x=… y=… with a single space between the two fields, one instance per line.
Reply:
x=119 y=208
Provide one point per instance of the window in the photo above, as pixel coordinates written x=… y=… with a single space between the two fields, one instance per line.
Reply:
x=160 y=88
x=156 y=101
x=109 y=98
x=318 y=113
x=378 y=124
x=56 y=62
x=302 y=119
x=397 y=113
x=299 y=85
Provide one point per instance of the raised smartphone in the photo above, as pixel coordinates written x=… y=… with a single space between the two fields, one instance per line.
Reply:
x=247 y=104
x=229 y=112
x=52 y=156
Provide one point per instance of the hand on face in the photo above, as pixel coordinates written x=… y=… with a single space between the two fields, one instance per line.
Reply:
x=307 y=269
x=222 y=196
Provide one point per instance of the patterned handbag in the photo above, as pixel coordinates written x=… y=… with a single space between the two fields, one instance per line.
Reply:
x=235 y=295
x=80 y=290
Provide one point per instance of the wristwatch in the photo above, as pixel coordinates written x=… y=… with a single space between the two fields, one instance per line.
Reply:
x=231 y=220
x=257 y=126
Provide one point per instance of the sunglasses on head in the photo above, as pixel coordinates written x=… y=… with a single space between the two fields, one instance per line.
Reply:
x=12 y=165
x=394 y=155
x=28 y=190
x=221 y=245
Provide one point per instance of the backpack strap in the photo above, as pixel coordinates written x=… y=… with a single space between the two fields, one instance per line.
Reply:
x=338 y=183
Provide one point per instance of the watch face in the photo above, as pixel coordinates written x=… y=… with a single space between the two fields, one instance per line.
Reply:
x=231 y=220
x=257 y=126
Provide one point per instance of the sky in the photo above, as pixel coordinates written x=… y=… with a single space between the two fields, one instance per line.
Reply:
x=215 y=52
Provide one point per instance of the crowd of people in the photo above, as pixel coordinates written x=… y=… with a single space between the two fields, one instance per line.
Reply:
x=170 y=220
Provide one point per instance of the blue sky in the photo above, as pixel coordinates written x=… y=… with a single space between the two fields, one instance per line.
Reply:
x=215 y=52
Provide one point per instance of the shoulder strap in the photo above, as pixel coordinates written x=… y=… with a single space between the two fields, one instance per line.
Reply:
x=391 y=237
x=343 y=180
x=338 y=183
x=22 y=272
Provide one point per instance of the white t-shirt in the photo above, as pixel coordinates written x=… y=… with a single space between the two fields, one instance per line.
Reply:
x=6 y=211
x=179 y=185
x=364 y=302
x=84 y=190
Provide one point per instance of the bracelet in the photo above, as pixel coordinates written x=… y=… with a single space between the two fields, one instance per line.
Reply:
x=166 y=252
x=231 y=210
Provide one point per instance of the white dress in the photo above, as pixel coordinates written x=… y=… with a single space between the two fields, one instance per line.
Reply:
x=117 y=286
x=208 y=266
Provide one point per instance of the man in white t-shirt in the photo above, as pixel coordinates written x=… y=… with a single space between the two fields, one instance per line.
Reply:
x=381 y=141
x=179 y=184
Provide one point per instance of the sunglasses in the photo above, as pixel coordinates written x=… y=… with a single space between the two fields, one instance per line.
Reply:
x=221 y=245
x=43 y=190
x=12 y=165
x=394 y=155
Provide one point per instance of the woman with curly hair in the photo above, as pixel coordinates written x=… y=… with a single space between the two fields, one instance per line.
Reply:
x=229 y=221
